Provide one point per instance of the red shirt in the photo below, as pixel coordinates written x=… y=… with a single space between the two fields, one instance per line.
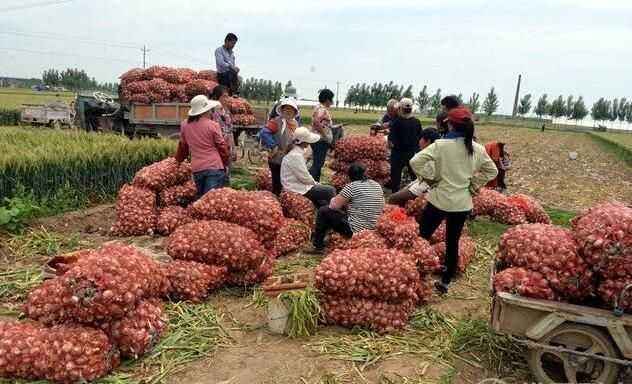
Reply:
x=204 y=140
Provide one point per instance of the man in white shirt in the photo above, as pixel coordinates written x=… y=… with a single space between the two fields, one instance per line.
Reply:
x=295 y=176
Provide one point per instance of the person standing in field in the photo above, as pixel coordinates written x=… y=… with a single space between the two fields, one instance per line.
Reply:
x=203 y=139
x=294 y=174
x=497 y=152
x=221 y=115
x=281 y=129
x=227 y=71
x=403 y=139
x=383 y=124
x=462 y=167
x=356 y=208
x=419 y=186
x=321 y=125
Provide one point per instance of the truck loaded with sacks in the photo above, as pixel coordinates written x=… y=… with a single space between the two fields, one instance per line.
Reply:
x=156 y=100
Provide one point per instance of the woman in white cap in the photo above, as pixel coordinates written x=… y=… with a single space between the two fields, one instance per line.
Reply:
x=403 y=139
x=281 y=128
x=202 y=138
x=294 y=174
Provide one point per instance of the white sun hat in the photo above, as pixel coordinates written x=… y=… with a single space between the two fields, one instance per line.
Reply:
x=201 y=104
x=287 y=101
x=303 y=135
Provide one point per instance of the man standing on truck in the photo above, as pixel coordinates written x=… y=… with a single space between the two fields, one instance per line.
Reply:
x=227 y=71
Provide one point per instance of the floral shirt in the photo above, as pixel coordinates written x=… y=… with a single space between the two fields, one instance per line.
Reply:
x=321 y=123
x=222 y=117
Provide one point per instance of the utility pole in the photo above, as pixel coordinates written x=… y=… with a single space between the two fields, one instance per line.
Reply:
x=144 y=50
x=337 y=93
x=515 y=108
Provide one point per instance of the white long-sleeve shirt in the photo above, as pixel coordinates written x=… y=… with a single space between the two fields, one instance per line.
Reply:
x=294 y=174
x=224 y=59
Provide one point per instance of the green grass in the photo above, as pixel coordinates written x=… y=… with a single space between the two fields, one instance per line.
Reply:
x=13 y=98
x=620 y=144
x=72 y=166
x=560 y=217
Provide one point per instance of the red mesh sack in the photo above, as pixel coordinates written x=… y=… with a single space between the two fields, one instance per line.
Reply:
x=263 y=180
x=365 y=239
x=137 y=87
x=298 y=207
x=155 y=72
x=486 y=200
x=507 y=213
x=376 y=315
x=170 y=218
x=239 y=106
x=337 y=241
x=531 y=208
x=61 y=354
x=192 y=281
x=415 y=207
x=291 y=237
x=187 y=74
x=399 y=229
x=370 y=273
x=609 y=290
x=264 y=216
x=604 y=235
x=140 y=99
x=161 y=88
x=135 y=211
x=139 y=330
x=424 y=255
x=159 y=175
x=353 y=148
x=375 y=169
x=199 y=87
x=254 y=276
x=467 y=251
x=102 y=285
x=217 y=243
x=552 y=251
x=134 y=74
x=207 y=75
x=244 y=119
x=181 y=195
x=524 y=282
x=339 y=180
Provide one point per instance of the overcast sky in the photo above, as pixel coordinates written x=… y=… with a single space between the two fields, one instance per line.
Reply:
x=579 y=47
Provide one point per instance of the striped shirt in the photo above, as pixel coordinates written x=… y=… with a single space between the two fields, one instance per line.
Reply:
x=366 y=203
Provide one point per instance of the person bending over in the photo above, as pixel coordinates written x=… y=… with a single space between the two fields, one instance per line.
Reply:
x=363 y=200
x=419 y=186
x=294 y=174
x=462 y=167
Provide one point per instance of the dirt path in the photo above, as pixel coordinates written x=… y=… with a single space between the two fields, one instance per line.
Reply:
x=257 y=356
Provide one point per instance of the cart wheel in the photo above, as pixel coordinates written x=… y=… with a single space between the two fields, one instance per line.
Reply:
x=558 y=367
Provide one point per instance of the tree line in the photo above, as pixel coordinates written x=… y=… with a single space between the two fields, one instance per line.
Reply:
x=375 y=96
x=262 y=90
x=76 y=80
x=575 y=109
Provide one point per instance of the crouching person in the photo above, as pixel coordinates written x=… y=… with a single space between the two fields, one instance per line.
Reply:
x=295 y=176
x=363 y=201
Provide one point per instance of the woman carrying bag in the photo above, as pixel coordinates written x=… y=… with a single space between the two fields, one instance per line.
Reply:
x=462 y=167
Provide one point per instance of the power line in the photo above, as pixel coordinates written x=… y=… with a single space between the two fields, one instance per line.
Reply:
x=50 y=36
x=51 y=53
x=33 y=5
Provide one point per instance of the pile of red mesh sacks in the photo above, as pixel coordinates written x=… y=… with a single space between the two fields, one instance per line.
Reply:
x=371 y=151
x=164 y=85
x=373 y=288
x=553 y=263
x=513 y=210
x=155 y=200
x=159 y=84
x=104 y=304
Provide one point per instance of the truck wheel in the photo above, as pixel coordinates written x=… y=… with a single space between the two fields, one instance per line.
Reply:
x=561 y=367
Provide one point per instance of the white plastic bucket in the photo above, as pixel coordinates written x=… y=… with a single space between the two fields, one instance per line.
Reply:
x=277 y=316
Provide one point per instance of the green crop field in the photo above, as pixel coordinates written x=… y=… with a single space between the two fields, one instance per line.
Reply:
x=43 y=162
x=13 y=98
